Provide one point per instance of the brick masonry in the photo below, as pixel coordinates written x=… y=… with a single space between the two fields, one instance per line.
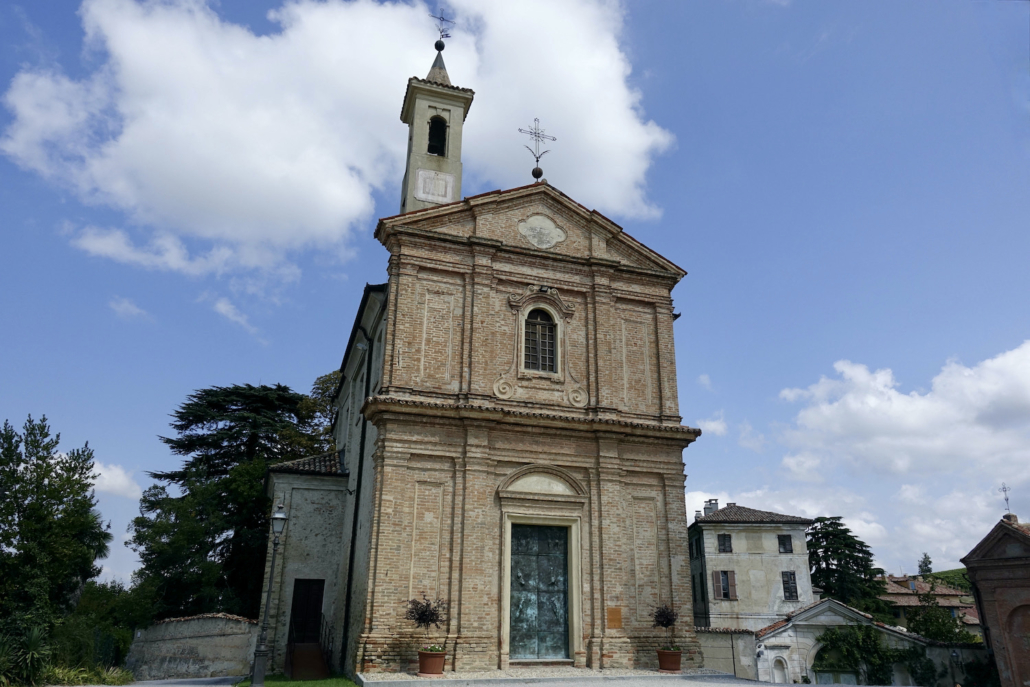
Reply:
x=456 y=416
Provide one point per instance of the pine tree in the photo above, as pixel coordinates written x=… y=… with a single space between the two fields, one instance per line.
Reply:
x=925 y=564
x=201 y=537
x=842 y=566
x=51 y=534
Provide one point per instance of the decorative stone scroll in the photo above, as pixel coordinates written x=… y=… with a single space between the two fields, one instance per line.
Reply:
x=506 y=386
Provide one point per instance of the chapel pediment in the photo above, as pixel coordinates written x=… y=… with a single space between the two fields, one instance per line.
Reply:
x=1004 y=541
x=537 y=218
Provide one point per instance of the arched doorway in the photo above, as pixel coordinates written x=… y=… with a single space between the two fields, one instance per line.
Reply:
x=780 y=674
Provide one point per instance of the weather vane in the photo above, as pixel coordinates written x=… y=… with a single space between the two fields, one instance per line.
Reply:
x=537 y=134
x=1005 y=490
x=444 y=21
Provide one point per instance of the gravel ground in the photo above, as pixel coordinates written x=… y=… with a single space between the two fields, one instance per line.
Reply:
x=556 y=675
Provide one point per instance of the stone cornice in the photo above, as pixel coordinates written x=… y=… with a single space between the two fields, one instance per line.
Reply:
x=375 y=406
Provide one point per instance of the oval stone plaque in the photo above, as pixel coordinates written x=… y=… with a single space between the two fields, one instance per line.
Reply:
x=541 y=231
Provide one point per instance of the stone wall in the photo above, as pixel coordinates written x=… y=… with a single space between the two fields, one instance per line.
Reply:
x=212 y=645
x=731 y=651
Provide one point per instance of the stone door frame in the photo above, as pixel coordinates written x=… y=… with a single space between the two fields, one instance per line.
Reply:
x=575 y=594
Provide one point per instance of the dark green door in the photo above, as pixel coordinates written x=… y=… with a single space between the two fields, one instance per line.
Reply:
x=539 y=592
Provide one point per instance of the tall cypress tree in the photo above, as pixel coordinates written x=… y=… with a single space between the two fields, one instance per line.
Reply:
x=842 y=566
x=202 y=535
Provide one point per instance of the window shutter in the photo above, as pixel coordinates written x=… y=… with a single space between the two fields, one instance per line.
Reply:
x=733 y=585
x=717 y=584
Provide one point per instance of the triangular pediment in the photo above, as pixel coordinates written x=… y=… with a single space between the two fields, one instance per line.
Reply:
x=537 y=218
x=1005 y=541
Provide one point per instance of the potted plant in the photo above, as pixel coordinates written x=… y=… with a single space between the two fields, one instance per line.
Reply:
x=670 y=655
x=425 y=613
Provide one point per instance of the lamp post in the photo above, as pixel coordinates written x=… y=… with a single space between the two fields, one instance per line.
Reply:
x=261 y=653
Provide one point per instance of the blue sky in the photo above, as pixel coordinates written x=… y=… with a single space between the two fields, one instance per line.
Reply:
x=188 y=193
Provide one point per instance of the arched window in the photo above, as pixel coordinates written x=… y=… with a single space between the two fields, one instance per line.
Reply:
x=438 y=136
x=539 y=341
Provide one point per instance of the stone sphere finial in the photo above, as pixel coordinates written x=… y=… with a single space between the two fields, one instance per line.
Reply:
x=537 y=172
x=439 y=45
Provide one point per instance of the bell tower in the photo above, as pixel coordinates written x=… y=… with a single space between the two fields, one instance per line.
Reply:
x=434 y=111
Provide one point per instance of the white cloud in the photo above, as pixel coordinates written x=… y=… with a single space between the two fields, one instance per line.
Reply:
x=705 y=381
x=227 y=150
x=225 y=308
x=971 y=420
x=113 y=479
x=714 y=425
x=927 y=464
x=126 y=309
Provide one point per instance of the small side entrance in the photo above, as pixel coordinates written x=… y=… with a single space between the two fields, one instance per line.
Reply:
x=539 y=593
x=305 y=655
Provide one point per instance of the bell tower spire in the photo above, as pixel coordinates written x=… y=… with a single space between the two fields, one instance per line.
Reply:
x=435 y=112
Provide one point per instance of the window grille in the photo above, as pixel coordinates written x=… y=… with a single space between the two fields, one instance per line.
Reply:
x=539 y=354
x=725 y=543
x=790 y=585
x=437 y=136
x=786 y=543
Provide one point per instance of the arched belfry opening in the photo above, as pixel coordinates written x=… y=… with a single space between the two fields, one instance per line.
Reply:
x=437 y=136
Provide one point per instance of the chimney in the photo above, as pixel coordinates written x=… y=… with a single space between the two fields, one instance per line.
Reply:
x=711 y=505
x=1008 y=517
x=730 y=504
x=697 y=514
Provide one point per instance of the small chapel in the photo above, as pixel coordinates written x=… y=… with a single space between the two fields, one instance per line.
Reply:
x=508 y=438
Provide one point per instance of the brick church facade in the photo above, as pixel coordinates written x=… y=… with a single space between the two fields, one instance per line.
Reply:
x=508 y=434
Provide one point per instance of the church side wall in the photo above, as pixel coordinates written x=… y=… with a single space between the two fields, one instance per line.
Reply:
x=308 y=549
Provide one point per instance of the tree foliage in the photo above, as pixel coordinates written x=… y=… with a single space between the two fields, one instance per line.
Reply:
x=842 y=566
x=202 y=535
x=861 y=649
x=933 y=622
x=925 y=564
x=51 y=534
x=323 y=398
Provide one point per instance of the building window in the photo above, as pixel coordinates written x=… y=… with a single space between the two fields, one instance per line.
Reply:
x=539 y=341
x=724 y=583
x=725 y=543
x=790 y=585
x=437 y=136
x=786 y=543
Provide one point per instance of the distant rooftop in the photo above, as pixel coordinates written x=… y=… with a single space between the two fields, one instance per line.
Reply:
x=734 y=514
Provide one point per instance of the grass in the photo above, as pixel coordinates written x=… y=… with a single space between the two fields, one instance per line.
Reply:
x=281 y=681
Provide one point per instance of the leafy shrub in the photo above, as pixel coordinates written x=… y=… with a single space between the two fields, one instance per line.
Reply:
x=57 y=675
x=33 y=657
x=426 y=614
x=665 y=616
x=8 y=661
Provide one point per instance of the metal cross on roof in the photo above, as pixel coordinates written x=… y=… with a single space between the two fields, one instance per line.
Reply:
x=537 y=134
x=444 y=21
x=1005 y=490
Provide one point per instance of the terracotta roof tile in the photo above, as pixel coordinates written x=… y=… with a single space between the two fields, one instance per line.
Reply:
x=739 y=514
x=322 y=464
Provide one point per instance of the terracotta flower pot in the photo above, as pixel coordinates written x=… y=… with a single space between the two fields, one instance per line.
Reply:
x=669 y=661
x=430 y=663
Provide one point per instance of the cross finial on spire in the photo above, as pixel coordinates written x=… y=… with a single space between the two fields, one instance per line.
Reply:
x=537 y=134
x=1005 y=489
